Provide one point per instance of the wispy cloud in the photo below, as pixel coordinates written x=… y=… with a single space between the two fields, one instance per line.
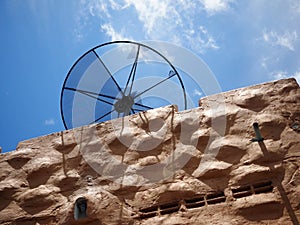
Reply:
x=153 y=12
x=110 y=31
x=201 y=40
x=296 y=6
x=197 y=93
x=216 y=6
x=49 y=122
x=191 y=24
x=81 y=20
x=284 y=74
x=277 y=75
x=286 y=40
x=174 y=21
x=297 y=76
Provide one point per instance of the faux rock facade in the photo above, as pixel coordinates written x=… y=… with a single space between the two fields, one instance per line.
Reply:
x=166 y=167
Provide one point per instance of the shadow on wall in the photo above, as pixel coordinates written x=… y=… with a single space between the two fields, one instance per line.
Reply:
x=267 y=211
x=281 y=190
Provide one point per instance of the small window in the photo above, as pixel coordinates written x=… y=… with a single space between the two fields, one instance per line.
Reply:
x=80 y=208
x=195 y=202
x=215 y=198
x=148 y=212
x=242 y=192
x=263 y=187
x=257 y=188
x=169 y=208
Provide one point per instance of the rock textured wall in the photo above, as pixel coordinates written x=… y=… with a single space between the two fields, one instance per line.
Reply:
x=166 y=167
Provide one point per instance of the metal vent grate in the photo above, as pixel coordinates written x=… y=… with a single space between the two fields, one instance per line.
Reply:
x=215 y=198
x=195 y=202
x=242 y=192
x=173 y=207
x=257 y=188
x=169 y=208
x=264 y=187
x=148 y=212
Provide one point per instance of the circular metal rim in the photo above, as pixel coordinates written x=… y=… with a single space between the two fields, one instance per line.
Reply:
x=117 y=42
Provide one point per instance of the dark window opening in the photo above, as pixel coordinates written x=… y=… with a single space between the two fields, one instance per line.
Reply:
x=173 y=207
x=262 y=184
x=80 y=208
x=147 y=215
x=257 y=188
x=149 y=209
x=215 y=198
x=242 y=192
x=148 y=212
x=264 y=187
x=195 y=202
x=169 y=208
x=169 y=205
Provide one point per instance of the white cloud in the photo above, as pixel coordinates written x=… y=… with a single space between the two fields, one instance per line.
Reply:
x=167 y=20
x=112 y=33
x=296 y=6
x=177 y=22
x=200 y=40
x=81 y=20
x=287 y=40
x=117 y=6
x=95 y=7
x=151 y=11
x=215 y=6
x=297 y=76
x=263 y=63
x=196 y=92
x=192 y=24
x=277 y=75
x=49 y=122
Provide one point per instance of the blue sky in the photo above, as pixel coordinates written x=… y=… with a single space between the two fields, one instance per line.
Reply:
x=243 y=42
